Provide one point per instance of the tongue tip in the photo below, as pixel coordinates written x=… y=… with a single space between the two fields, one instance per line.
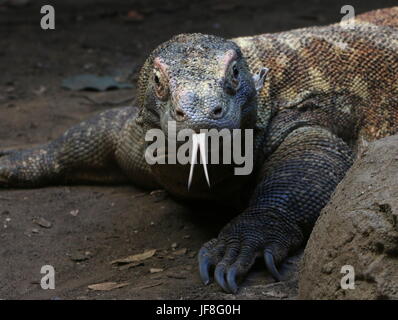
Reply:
x=198 y=140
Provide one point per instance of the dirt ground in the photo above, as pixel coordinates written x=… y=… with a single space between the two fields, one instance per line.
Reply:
x=87 y=227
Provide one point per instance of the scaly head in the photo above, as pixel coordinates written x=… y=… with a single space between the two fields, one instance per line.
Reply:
x=200 y=82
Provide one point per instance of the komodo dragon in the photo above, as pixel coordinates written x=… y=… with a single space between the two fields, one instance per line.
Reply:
x=327 y=88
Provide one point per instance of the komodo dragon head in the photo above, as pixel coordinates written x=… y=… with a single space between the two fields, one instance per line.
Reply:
x=200 y=82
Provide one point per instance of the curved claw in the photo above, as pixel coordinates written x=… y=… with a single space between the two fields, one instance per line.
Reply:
x=219 y=275
x=270 y=263
x=231 y=279
x=204 y=265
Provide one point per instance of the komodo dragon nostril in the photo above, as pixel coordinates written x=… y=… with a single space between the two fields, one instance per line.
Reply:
x=179 y=114
x=216 y=113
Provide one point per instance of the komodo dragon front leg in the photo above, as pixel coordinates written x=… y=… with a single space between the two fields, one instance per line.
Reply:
x=295 y=184
x=90 y=152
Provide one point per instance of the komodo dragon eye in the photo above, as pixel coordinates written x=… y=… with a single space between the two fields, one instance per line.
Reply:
x=233 y=78
x=161 y=86
x=235 y=71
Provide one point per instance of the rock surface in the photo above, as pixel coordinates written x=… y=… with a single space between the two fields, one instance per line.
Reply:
x=359 y=227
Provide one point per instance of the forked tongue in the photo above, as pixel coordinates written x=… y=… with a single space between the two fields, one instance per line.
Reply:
x=198 y=142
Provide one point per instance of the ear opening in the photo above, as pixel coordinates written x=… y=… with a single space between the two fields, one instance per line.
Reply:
x=259 y=78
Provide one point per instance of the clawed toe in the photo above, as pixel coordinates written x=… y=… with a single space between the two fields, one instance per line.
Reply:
x=270 y=264
x=204 y=265
x=232 y=262
x=229 y=262
x=219 y=275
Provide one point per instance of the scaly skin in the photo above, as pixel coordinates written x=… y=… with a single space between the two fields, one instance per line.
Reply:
x=327 y=87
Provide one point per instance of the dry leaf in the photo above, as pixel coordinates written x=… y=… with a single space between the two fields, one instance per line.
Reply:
x=155 y=192
x=42 y=222
x=40 y=90
x=134 y=258
x=79 y=256
x=149 y=286
x=155 y=270
x=180 y=252
x=74 y=212
x=139 y=195
x=134 y=15
x=130 y=265
x=107 y=286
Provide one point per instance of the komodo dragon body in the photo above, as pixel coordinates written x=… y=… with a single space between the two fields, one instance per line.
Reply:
x=326 y=88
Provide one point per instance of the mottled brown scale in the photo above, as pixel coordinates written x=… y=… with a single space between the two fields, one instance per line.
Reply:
x=363 y=62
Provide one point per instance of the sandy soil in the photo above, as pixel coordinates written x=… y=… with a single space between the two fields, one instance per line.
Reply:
x=90 y=226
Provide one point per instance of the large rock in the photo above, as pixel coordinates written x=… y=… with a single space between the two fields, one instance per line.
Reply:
x=359 y=227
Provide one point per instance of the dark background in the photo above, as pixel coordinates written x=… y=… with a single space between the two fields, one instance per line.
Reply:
x=112 y=38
